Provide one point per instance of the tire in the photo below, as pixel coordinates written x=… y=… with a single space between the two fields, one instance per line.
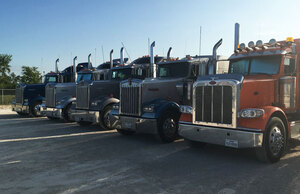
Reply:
x=168 y=127
x=195 y=144
x=104 y=120
x=35 y=109
x=21 y=114
x=274 y=142
x=125 y=132
x=65 y=113
x=84 y=123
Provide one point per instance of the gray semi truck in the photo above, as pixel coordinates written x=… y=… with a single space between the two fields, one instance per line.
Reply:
x=152 y=105
x=96 y=98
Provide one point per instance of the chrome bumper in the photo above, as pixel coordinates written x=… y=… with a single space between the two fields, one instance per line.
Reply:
x=237 y=138
x=142 y=125
x=52 y=112
x=20 y=108
x=85 y=115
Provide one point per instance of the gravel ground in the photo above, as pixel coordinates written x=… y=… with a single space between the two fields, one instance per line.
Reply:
x=42 y=156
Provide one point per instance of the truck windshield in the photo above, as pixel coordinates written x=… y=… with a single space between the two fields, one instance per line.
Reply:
x=50 y=79
x=173 y=70
x=121 y=74
x=258 y=65
x=84 y=76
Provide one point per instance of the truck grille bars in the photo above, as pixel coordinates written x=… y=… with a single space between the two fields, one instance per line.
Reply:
x=213 y=104
x=50 y=96
x=130 y=98
x=82 y=96
x=19 y=94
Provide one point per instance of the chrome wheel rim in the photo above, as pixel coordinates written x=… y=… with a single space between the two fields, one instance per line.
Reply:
x=169 y=127
x=276 y=140
x=106 y=119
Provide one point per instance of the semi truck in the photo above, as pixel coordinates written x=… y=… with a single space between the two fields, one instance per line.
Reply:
x=96 y=98
x=29 y=97
x=152 y=105
x=256 y=105
x=59 y=96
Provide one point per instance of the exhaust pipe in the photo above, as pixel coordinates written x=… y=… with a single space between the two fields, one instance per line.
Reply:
x=111 y=58
x=56 y=65
x=89 y=62
x=213 y=62
x=236 y=36
x=75 y=68
x=152 y=62
x=122 y=56
x=169 y=53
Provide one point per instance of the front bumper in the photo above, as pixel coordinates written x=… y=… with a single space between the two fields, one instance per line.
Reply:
x=52 y=112
x=85 y=115
x=20 y=108
x=137 y=124
x=237 y=138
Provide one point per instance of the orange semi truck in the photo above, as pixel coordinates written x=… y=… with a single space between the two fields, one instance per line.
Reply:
x=256 y=105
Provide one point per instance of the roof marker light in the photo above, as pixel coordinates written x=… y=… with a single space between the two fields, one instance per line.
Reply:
x=259 y=43
x=272 y=42
x=289 y=39
x=251 y=44
x=242 y=46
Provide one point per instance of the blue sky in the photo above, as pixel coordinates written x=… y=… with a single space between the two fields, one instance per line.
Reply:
x=36 y=32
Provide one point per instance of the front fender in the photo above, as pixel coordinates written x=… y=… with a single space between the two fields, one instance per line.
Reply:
x=107 y=102
x=261 y=122
x=65 y=102
x=161 y=107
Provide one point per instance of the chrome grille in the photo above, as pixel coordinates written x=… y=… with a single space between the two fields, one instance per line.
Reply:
x=50 y=96
x=213 y=104
x=130 y=99
x=82 y=96
x=19 y=94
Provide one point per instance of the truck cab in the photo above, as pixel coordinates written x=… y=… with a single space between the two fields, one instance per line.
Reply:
x=255 y=105
x=59 y=96
x=95 y=99
x=29 y=97
x=152 y=105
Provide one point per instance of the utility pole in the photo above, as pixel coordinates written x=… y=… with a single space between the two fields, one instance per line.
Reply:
x=102 y=53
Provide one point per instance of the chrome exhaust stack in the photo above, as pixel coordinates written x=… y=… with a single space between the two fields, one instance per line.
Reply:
x=56 y=65
x=213 y=62
x=152 y=62
x=75 y=68
x=111 y=58
x=122 y=56
x=169 y=53
x=236 y=36
x=89 y=62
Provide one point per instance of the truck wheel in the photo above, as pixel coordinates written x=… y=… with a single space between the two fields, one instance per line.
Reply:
x=274 y=142
x=35 y=109
x=168 y=127
x=21 y=114
x=195 y=144
x=84 y=123
x=125 y=132
x=66 y=113
x=104 y=119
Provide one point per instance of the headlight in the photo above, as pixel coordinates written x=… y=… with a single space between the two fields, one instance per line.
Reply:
x=252 y=113
x=149 y=108
x=58 y=103
x=186 y=109
x=25 y=100
x=116 y=106
x=94 y=103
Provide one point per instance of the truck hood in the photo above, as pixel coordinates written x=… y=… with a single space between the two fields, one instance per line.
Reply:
x=153 y=89
x=32 y=91
x=257 y=92
x=104 y=89
x=65 y=91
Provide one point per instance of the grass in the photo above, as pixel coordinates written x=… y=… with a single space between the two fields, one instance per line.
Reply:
x=7 y=99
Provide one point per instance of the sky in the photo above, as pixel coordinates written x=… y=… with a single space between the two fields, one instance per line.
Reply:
x=37 y=32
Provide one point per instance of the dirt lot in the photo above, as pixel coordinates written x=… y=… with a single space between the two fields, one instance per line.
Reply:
x=42 y=156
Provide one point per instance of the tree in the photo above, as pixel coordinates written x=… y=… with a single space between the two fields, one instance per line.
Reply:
x=4 y=70
x=14 y=80
x=30 y=75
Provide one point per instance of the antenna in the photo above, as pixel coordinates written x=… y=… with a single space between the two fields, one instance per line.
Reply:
x=126 y=51
x=200 y=40
x=102 y=53
x=95 y=56
x=148 y=46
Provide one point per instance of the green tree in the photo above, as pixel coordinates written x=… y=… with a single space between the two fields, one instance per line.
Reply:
x=14 y=80
x=30 y=75
x=4 y=70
